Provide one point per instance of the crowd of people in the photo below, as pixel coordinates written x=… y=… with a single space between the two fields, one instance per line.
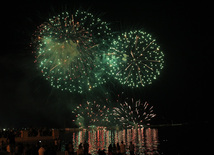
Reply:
x=120 y=149
x=83 y=149
x=39 y=148
x=22 y=148
x=52 y=147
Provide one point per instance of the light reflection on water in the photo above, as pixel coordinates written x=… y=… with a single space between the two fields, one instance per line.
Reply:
x=145 y=139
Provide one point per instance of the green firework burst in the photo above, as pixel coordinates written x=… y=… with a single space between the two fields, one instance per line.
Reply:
x=68 y=50
x=135 y=59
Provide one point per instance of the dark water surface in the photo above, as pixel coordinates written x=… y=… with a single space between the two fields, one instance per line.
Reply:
x=162 y=140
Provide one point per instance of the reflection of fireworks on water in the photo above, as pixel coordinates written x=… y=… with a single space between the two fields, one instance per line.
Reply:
x=134 y=113
x=91 y=114
x=135 y=58
x=67 y=50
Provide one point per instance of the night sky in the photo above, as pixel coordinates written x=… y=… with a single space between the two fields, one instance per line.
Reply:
x=180 y=94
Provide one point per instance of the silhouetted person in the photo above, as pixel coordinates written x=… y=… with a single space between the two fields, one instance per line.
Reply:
x=110 y=150
x=118 y=148
x=80 y=150
x=26 y=149
x=1 y=145
x=131 y=148
x=86 y=147
x=101 y=152
x=70 y=149
x=56 y=144
x=114 y=149
x=11 y=138
x=122 y=148
x=41 y=151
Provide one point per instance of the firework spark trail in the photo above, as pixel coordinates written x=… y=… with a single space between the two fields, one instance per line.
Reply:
x=128 y=75
x=134 y=112
x=148 y=45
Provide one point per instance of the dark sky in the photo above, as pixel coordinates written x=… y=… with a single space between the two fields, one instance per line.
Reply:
x=180 y=94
